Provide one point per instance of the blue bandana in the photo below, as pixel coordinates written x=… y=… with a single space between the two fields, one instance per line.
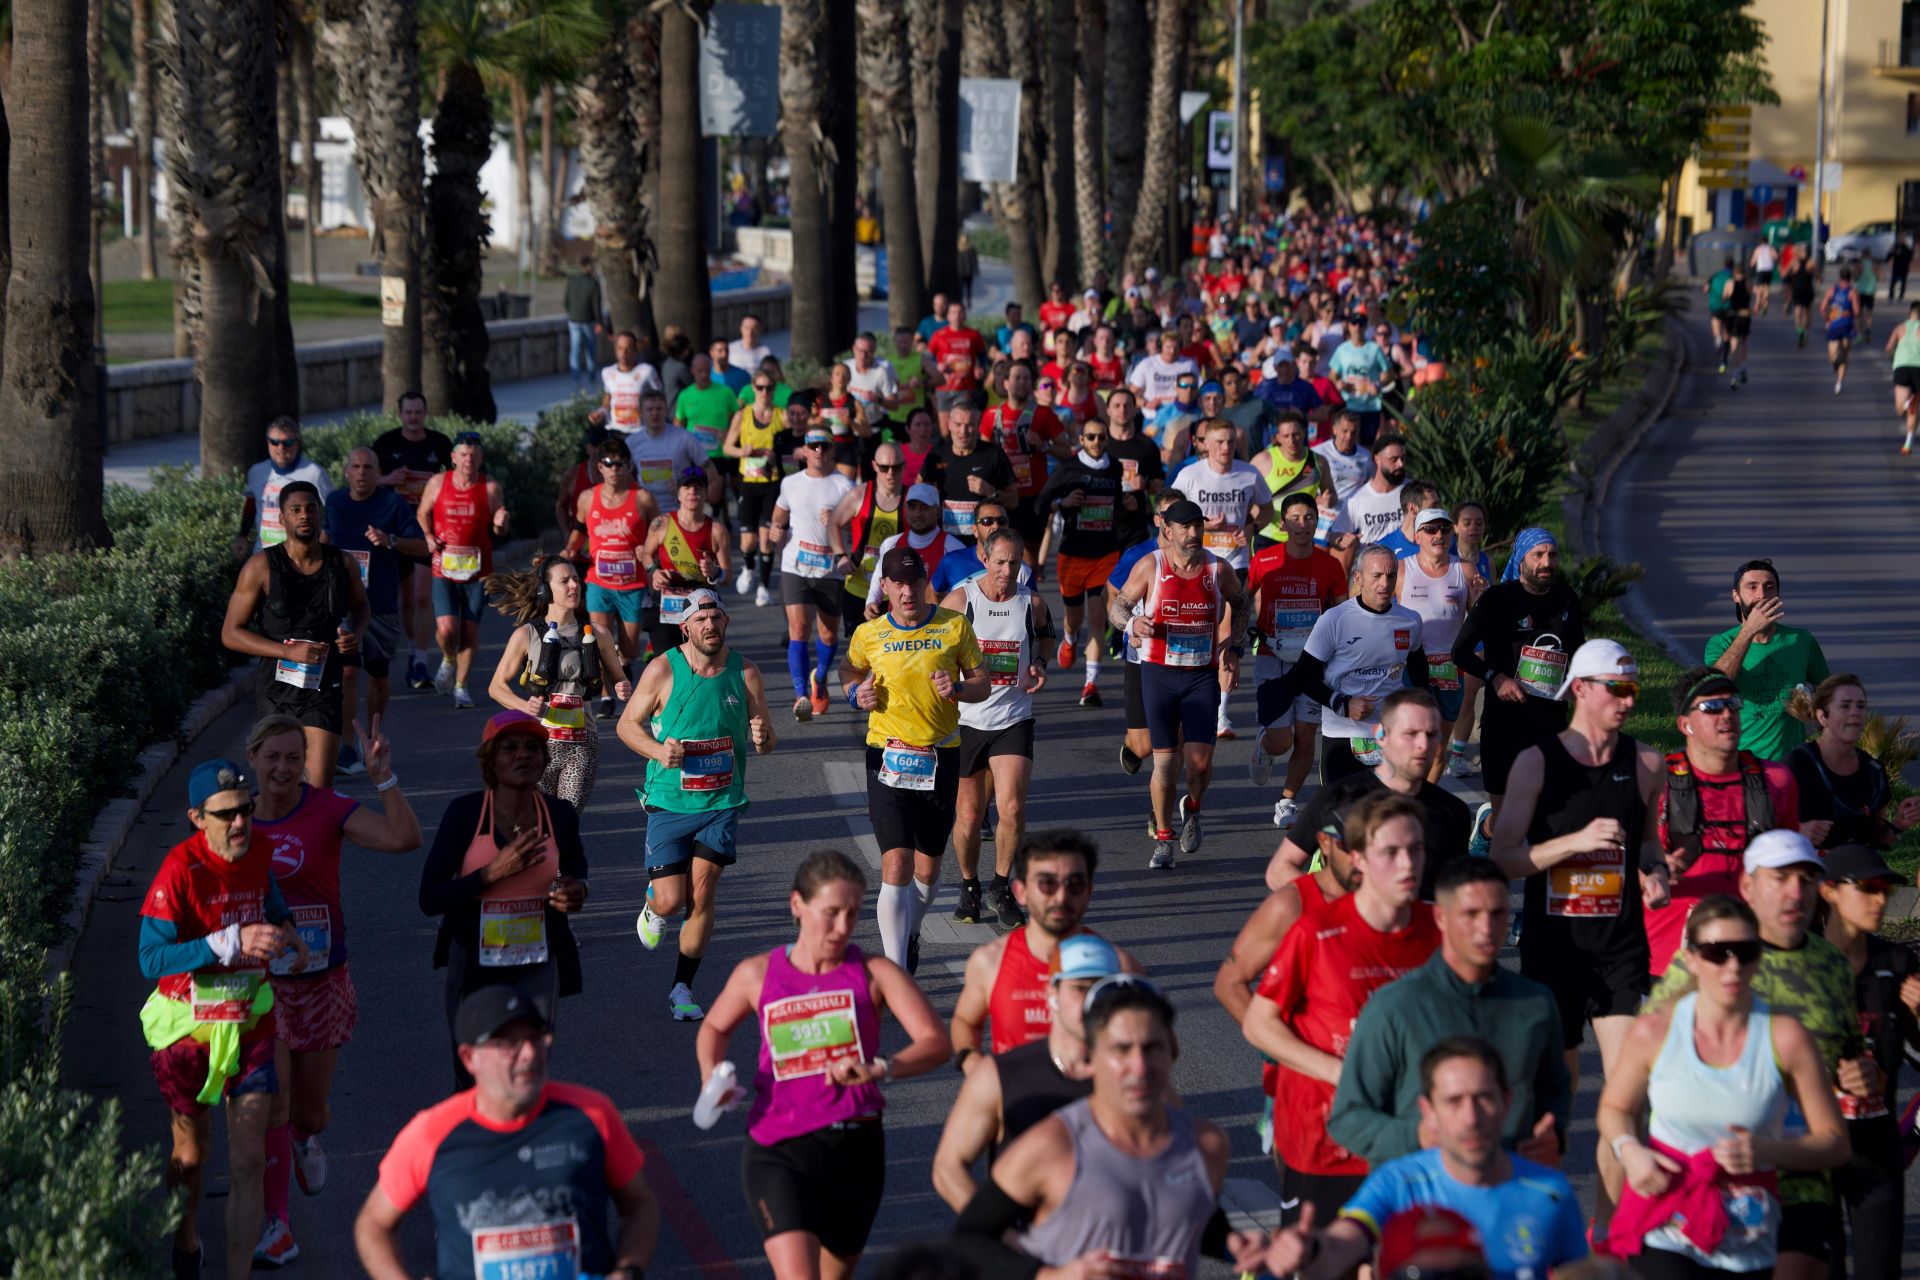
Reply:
x=1530 y=537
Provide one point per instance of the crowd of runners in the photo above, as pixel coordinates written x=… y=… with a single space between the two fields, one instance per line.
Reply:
x=1191 y=486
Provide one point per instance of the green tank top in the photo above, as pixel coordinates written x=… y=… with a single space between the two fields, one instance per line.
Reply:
x=1906 y=352
x=708 y=715
x=1283 y=477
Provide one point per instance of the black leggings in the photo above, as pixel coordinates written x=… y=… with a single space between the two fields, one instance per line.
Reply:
x=1665 y=1264
x=1872 y=1200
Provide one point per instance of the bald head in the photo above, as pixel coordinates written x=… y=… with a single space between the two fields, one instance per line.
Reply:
x=363 y=473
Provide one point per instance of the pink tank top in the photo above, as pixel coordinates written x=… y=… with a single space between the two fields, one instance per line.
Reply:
x=809 y=1021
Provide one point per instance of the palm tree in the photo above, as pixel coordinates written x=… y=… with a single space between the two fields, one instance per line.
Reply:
x=613 y=168
x=1127 y=69
x=1062 y=46
x=684 y=293
x=885 y=73
x=306 y=100
x=215 y=69
x=842 y=126
x=935 y=35
x=96 y=149
x=373 y=49
x=1089 y=138
x=1148 y=245
x=1023 y=200
x=452 y=328
x=50 y=489
x=143 y=115
x=810 y=157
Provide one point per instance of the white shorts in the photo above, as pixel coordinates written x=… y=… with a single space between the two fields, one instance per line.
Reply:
x=1267 y=667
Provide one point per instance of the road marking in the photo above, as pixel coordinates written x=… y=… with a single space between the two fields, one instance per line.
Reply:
x=683 y=1217
x=1250 y=1205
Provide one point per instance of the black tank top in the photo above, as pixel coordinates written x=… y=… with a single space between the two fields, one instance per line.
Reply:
x=1031 y=1089
x=1740 y=297
x=306 y=607
x=1572 y=795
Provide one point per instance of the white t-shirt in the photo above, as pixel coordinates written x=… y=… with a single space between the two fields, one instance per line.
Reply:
x=1154 y=378
x=873 y=386
x=1350 y=470
x=659 y=460
x=809 y=502
x=1369 y=513
x=742 y=356
x=1764 y=257
x=624 y=388
x=1366 y=657
x=1226 y=497
x=264 y=485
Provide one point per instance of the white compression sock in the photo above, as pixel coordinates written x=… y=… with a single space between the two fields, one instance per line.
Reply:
x=922 y=901
x=894 y=915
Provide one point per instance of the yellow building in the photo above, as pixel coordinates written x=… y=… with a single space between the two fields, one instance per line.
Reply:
x=1873 y=122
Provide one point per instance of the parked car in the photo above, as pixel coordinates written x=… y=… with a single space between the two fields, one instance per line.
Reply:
x=1868 y=240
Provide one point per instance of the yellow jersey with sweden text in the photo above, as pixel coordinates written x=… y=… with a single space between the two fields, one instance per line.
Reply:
x=903 y=660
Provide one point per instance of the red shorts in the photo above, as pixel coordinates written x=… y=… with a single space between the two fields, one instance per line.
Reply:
x=181 y=1070
x=1080 y=574
x=316 y=1013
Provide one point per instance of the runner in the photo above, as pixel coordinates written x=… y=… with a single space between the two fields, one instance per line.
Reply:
x=266 y=480
x=505 y=871
x=1373 y=510
x=924 y=534
x=1088 y=490
x=1721 y=1066
x=1763 y=262
x=621 y=384
x=1716 y=291
x=496 y=1212
x=965 y=469
x=285 y=601
x=1293 y=583
x=315 y=1009
x=376 y=528
x=210 y=924
x=872 y=381
x=661 y=451
x=550 y=668
x=409 y=456
x=1188 y=635
x=706 y=409
x=760 y=440
x=1030 y=434
x=1359 y=367
x=963 y=563
x=1006 y=1094
x=684 y=550
x=1903 y=345
x=1316 y=986
x=1867 y=283
x=1738 y=321
x=814 y=1163
x=1155 y=378
x=1525 y=1210
x=1437 y=585
x=1349 y=463
x=1289 y=467
x=909 y=669
x=1837 y=308
x=1843 y=791
x=1799 y=281
x=612 y=519
x=1236 y=501
x=1142 y=475
x=1121 y=1182
x=868 y=517
x=1767 y=660
x=692 y=717
x=461 y=512
x=1012 y=626
x=813 y=568
x=960 y=355
x=1469 y=538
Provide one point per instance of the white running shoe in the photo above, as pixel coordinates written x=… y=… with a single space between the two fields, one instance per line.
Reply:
x=1459 y=764
x=1260 y=764
x=443 y=678
x=649 y=926
x=310 y=1165
x=743 y=581
x=1285 y=810
x=461 y=698
x=685 y=1009
x=762 y=598
x=277 y=1246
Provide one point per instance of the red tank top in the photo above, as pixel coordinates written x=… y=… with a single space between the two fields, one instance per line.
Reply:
x=681 y=555
x=1018 y=1005
x=462 y=521
x=1185 y=613
x=614 y=536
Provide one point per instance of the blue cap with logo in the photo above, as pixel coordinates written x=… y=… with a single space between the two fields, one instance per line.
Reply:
x=211 y=777
x=1083 y=955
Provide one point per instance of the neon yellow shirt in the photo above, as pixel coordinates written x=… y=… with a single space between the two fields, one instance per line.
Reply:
x=903 y=660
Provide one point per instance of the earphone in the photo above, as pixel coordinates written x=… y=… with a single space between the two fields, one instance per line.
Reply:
x=543 y=585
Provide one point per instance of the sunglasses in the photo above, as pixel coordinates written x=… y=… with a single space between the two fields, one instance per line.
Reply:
x=1746 y=951
x=1619 y=688
x=989 y=522
x=1724 y=703
x=813 y=444
x=1047 y=884
x=279 y=442
x=1093 y=435
x=763 y=386
x=613 y=462
x=889 y=466
x=228 y=815
x=1184 y=386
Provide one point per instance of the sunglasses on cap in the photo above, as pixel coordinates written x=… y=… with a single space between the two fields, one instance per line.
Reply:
x=1721 y=703
x=467 y=437
x=1618 y=688
x=1745 y=950
x=692 y=475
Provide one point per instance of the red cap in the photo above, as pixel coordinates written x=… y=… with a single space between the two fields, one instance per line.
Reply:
x=1412 y=1236
x=512 y=722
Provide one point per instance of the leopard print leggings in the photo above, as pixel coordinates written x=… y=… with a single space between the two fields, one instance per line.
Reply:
x=572 y=769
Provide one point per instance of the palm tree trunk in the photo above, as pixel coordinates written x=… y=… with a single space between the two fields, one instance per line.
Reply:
x=611 y=168
x=885 y=73
x=373 y=49
x=452 y=327
x=803 y=27
x=685 y=296
x=1127 y=70
x=50 y=489
x=307 y=97
x=553 y=164
x=96 y=153
x=523 y=223
x=1153 y=219
x=143 y=136
x=843 y=174
x=6 y=225
x=1089 y=139
x=936 y=26
x=643 y=68
x=1024 y=200
x=1057 y=262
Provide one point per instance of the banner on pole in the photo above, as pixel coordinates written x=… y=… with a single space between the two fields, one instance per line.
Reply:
x=1222 y=140
x=989 y=130
x=740 y=72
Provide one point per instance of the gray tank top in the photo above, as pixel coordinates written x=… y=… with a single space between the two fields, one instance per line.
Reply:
x=1148 y=1212
x=569 y=682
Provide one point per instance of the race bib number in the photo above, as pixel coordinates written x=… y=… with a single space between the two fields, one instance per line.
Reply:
x=755 y=469
x=1222 y=542
x=906 y=768
x=656 y=474
x=1096 y=517
x=1288 y=624
x=615 y=568
x=565 y=717
x=459 y=564
x=1540 y=670
x=1126 y=1268
x=672 y=609
x=707 y=764
x=805 y=1035
x=1444 y=677
x=314 y=924
x=1586 y=886
x=1022 y=469
x=364 y=559
x=413 y=484
x=1188 y=646
x=530 y=1251
x=1130 y=475
x=513 y=931
x=1002 y=661
x=272 y=532
x=224 y=997
x=1854 y=1108
x=957 y=518
x=812 y=556
x=301 y=675
x=709 y=437
x=626 y=408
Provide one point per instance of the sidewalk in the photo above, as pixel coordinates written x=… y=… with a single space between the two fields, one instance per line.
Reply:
x=520 y=401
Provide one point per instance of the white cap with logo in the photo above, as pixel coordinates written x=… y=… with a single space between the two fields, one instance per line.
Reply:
x=1600 y=660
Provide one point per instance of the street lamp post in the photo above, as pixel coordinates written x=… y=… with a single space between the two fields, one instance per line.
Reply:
x=1820 y=147
x=1239 y=103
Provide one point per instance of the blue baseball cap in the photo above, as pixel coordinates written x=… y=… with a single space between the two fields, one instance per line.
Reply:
x=211 y=777
x=1083 y=955
x=1211 y=388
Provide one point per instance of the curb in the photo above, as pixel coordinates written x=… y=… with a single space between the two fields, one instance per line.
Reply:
x=113 y=825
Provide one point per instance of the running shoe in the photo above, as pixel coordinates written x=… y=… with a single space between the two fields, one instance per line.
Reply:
x=443 y=678
x=606 y=709
x=913 y=955
x=649 y=926
x=1224 y=732
x=1733 y=384
x=761 y=597
x=1005 y=910
x=277 y=1246
x=1189 y=826
x=1723 y=366
x=462 y=700
x=743 y=583
x=802 y=710
x=1285 y=810
x=681 y=1001
x=1482 y=842
x=417 y=677
x=1260 y=764
x=1162 y=859
x=967 y=910
x=1459 y=764
x=349 y=763
x=1743 y=373
x=310 y=1166
x=1907 y=447
x=1090 y=695
x=1065 y=655
x=1836 y=385
x=1129 y=762
x=817 y=691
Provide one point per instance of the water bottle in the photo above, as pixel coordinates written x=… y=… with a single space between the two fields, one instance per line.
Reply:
x=544 y=669
x=710 y=1106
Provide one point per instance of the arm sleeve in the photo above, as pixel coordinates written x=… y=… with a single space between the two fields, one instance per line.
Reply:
x=978 y=1235
x=441 y=885
x=1417 y=675
x=1307 y=676
x=1466 y=642
x=1362 y=1119
x=162 y=953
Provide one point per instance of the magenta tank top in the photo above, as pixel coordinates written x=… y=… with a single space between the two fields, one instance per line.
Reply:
x=808 y=1021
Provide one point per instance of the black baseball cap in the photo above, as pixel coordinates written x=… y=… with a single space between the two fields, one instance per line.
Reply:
x=903 y=564
x=1859 y=862
x=1184 y=511
x=484 y=1012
